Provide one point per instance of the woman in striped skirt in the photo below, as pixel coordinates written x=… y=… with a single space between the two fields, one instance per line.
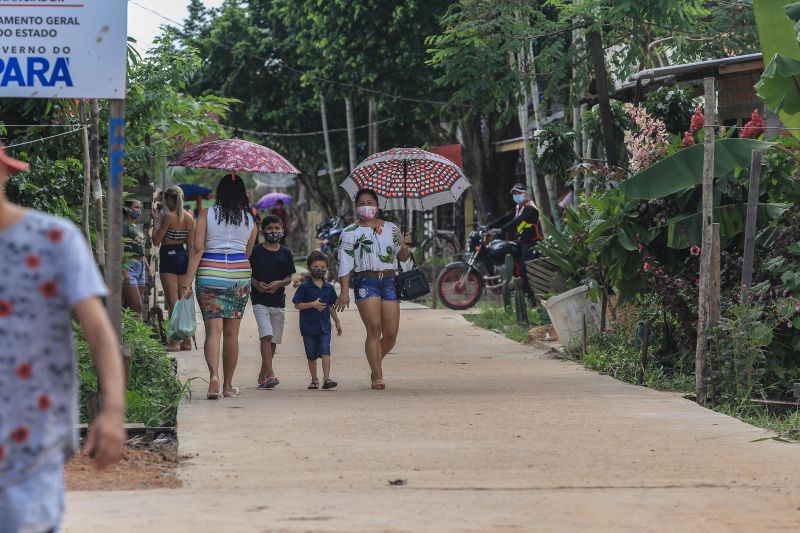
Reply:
x=223 y=240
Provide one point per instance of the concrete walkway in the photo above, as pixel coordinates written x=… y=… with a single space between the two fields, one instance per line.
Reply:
x=489 y=434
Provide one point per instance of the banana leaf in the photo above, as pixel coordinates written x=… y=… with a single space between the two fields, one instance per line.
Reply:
x=780 y=50
x=684 y=169
x=684 y=231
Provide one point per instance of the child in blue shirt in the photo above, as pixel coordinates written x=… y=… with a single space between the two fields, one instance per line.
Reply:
x=314 y=299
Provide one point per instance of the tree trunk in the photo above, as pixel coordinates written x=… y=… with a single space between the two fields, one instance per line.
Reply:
x=473 y=160
x=328 y=153
x=87 y=170
x=374 y=142
x=97 y=187
x=601 y=78
x=351 y=132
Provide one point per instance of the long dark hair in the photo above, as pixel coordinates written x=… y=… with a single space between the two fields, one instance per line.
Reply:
x=232 y=206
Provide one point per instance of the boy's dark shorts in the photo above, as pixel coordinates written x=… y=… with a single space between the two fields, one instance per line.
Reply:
x=317 y=345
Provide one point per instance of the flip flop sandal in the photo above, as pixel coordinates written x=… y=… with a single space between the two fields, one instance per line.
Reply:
x=269 y=383
x=214 y=395
x=379 y=386
x=329 y=384
x=234 y=393
x=313 y=386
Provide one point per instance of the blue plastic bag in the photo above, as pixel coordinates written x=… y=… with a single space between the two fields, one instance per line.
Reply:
x=182 y=323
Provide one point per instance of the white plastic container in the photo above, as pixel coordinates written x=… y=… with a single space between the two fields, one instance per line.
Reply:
x=566 y=312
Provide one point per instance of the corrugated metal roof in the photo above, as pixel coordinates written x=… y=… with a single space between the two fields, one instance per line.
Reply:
x=675 y=70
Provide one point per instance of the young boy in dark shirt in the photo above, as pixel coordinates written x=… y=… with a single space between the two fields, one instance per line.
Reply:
x=314 y=299
x=273 y=266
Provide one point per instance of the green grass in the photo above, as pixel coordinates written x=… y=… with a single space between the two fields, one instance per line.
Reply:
x=154 y=390
x=499 y=320
x=787 y=425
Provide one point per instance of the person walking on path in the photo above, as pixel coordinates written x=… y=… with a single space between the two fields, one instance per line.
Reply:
x=47 y=273
x=280 y=211
x=137 y=268
x=523 y=220
x=369 y=250
x=224 y=237
x=273 y=266
x=174 y=232
x=314 y=299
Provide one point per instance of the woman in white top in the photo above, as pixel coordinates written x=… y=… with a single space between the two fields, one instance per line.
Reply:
x=223 y=241
x=369 y=250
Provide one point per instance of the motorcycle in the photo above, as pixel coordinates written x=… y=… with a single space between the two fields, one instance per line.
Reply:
x=461 y=284
x=328 y=236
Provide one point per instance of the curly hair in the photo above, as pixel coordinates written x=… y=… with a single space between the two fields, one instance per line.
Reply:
x=232 y=206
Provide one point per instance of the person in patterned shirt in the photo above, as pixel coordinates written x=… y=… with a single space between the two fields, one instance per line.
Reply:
x=47 y=273
x=369 y=251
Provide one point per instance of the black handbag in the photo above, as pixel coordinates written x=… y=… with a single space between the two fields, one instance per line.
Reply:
x=411 y=284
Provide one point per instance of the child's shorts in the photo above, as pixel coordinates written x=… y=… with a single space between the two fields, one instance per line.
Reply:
x=270 y=321
x=35 y=504
x=317 y=346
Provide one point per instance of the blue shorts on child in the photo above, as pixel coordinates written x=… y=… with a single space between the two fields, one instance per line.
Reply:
x=317 y=345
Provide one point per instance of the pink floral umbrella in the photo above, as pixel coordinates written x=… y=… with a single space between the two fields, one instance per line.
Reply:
x=236 y=155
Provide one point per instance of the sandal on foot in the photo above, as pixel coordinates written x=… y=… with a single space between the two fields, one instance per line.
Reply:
x=329 y=384
x=269 y=383
x=379 y=386
x=213 y=395
x=233 y=394
x=313 y=386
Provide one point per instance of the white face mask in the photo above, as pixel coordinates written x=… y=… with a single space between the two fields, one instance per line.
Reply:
x=367 y=212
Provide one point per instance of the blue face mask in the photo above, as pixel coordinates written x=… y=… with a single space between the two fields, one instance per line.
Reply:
x=136 y=214
x=518 y=198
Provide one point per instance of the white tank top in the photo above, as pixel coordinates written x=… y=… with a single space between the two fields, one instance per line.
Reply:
x=224 y=238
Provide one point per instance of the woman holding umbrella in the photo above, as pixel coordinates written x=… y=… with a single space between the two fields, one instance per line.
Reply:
x=223 y=241
x=400 y=178
x=369 y=250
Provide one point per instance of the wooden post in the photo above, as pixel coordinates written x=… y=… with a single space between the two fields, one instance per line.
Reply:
x=87 y=170
x=714 y=279
x=116 y=171
x=584 y=339
x=750 y=227
x=328 y=153
x=97 y=186
x=645 y=347
x=704 y=305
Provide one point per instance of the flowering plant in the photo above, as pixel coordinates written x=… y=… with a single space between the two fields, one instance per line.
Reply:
x=671 y=105
x=696 y=124
x=754 y=128
x=648 y=143
x=553 y=150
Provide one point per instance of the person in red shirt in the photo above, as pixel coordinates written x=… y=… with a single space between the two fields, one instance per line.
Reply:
x=280 y=211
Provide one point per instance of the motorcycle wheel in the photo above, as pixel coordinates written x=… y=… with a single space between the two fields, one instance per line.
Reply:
x=455 y=295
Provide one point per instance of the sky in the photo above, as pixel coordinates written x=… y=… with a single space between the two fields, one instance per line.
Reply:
x=144 y=26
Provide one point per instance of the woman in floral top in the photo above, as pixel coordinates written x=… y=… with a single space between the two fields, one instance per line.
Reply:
x=369 y=250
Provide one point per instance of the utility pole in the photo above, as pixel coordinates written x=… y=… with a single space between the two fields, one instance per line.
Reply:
x=595 y=42
x=116 y=171
x=97 y=185
x=351 y=132
x=87 y=169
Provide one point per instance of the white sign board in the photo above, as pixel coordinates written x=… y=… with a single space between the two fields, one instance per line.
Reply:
x=63 y=48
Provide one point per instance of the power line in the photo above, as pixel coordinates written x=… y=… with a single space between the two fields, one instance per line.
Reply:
x=45 y=138
x=37 y=125
x=299 y=71
x=307 y=133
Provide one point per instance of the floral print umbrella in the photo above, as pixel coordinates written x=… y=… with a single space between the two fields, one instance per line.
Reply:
x=408 y=178
x=235 y=155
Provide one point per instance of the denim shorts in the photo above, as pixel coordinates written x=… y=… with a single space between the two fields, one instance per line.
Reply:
x=317 y=345
x=137 y=273
x=36 y=503
x=365 y=287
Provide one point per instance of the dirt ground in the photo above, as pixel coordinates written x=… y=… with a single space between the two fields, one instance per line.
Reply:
x=138 y=469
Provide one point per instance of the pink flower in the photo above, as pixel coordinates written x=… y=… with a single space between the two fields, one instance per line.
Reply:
x=698 y=120
x=694 y=250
